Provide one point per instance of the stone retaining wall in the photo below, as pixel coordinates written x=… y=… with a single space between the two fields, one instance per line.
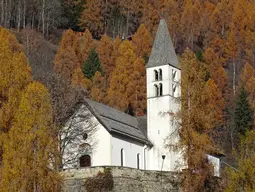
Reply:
x=125 y=180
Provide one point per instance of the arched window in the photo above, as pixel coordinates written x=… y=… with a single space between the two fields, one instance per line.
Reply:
x=174 y=73
x=160 y=89
x=138 y=161
x=160 y=74
x=122 y=157
x=156 y=90
x=155 y=75
x=174 y=89
x=85 y=161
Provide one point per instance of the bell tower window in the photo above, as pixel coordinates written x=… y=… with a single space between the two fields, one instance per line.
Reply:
x=160 y=89
x=156 y=90
x=160 y=74
x=174 y=90
x=174 y=73
x=155 y=75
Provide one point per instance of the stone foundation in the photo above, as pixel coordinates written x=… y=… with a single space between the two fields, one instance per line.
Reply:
x=125 y=180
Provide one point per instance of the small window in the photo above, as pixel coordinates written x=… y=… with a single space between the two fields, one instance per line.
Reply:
x=160 y=74
x=85 y=136
x=156 y=90
x=160 y=89
x=174 y=89
x=156 y=75
x=122 y=157
x=174 y=72
x=85 y=161
x=138 y=161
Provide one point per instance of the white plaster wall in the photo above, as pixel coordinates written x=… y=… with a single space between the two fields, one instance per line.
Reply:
x=131 y=149
x=160 y=124
x=101 y=154
x=98 y=138
x=216 y=164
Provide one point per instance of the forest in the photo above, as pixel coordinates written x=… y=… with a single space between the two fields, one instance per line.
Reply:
x=54 y=53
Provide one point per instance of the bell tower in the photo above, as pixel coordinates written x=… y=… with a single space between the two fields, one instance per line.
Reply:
x=163 y=75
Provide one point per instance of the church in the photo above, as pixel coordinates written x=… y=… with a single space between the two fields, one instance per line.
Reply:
x=98 y=135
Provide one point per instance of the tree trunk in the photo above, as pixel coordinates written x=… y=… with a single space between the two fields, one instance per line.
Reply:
x=24 y=14
x=43 y=17
x=19 y=16
x=234 y=78
x=2 y=12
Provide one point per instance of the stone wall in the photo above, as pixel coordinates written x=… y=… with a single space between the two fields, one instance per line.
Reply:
x=125 y=180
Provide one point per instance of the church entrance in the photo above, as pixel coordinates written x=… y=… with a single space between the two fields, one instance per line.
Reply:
x=85 y=161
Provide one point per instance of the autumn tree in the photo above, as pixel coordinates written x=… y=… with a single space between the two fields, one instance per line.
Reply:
x=69 y=38
x=92 y=17
x=142 y=41
x=99 y=87
x=66 y=62
x=92 y=65
x=201 y=112
x=30 y=157
x=86 y=44
x=15 y=74
x=127 y=83
x=242 y=178
x=108 y=52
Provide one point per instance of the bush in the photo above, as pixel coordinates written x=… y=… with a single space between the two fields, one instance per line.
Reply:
x=102 y=182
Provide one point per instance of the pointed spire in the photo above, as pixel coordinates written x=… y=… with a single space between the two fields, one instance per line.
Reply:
x=163 y=52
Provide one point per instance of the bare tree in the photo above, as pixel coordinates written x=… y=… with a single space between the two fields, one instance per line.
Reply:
x=77 y=137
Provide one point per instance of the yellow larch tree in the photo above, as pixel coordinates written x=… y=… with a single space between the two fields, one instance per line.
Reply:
x=201 y=111
x=92 y=17
x=214 y=65
x=66 y=62
x=247 y=73
x=243 y=178
x=30 y=156
x=86 y=44
x=15 y=74
x=98 y=90
x=142 y=42
x=127 y=83
x=107 y=54
x=69 y=38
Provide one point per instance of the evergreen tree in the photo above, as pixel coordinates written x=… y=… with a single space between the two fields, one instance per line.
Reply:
x=92 y=65
x=243 y=113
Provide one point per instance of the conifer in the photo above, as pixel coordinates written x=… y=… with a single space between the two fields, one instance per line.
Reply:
x=243 y=113
x=92 y=65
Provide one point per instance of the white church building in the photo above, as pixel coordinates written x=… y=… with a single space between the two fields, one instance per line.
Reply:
x=98 y=135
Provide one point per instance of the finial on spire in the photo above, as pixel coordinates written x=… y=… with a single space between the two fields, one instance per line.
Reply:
x=162 y=15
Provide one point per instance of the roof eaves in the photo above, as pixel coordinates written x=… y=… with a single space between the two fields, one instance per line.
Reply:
x=93 y=111
x=132 y=137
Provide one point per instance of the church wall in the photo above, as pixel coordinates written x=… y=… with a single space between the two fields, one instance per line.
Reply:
x=130 y=148
x=97 y=145
x=101 y=154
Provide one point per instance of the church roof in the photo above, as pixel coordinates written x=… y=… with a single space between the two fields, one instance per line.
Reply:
x=163 y=51
x=118 y=122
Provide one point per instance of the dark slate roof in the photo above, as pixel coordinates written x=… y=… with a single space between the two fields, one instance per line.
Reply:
x=163 y=51
x=117 y=122
x=142 y=124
